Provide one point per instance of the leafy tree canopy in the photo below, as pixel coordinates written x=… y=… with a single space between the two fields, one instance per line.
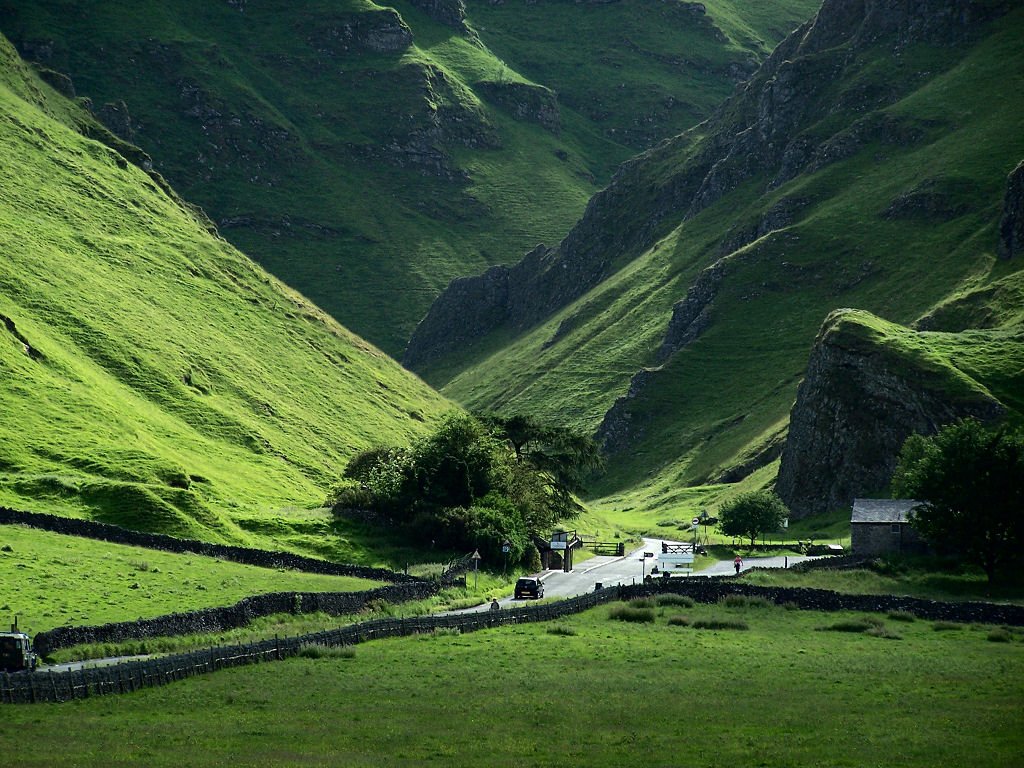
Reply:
x=751 y=514
x=475 y=482
x=970 y=481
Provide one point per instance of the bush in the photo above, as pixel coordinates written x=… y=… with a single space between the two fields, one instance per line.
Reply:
x=311 y=651
x=679 y=621
x=999 y=635
x=852 y=625
x=720 y=624
x=684 y=601
x=945 y=626
x=446 y=632
x=561 y=629
x=628 y=613
x=745 y=601
x=642 y=602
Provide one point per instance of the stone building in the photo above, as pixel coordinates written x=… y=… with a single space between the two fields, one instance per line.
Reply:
x=881 y=527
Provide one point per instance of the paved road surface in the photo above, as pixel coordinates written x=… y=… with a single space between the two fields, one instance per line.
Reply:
x=609 y=571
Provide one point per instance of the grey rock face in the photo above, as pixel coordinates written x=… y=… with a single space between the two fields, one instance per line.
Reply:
x=527 y=102
x=1011 y=225
x=451 y=13
x=382 y=31
x=621 y=427
x=760 y=131
x=116 y=117
x=692 y=316
x=857 y=405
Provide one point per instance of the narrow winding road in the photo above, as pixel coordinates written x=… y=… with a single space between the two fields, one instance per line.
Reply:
x=631 y=569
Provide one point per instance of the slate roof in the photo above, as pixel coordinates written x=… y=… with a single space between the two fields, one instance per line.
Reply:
x=882 y=510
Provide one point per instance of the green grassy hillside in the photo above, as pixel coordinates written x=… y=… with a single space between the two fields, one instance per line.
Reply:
x=897 y=214
x=365 y=157
x=152 y=374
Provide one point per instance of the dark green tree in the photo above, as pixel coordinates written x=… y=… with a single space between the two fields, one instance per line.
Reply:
x=556 y=462
x=473 y=482
x=970 y=481
x=751 y=514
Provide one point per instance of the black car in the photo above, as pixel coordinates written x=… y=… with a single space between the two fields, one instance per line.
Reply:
x=529 y=586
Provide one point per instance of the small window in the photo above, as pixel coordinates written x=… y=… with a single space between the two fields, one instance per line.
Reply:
x=895 y=528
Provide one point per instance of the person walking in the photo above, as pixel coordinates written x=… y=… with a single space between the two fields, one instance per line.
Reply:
x=737 y=564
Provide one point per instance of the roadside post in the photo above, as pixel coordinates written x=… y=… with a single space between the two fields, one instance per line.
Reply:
x=506 y=547
x=643 y=566
x=476 y=568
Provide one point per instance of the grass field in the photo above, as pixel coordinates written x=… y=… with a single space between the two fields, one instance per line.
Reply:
x=51 y=580
x=592 y=692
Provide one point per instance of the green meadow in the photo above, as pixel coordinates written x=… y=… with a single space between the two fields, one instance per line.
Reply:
x=771 y=687
x=50 y=580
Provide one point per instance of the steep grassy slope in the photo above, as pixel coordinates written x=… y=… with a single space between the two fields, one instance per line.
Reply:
x=864 y=166
x=367 y=157
x=151 y=374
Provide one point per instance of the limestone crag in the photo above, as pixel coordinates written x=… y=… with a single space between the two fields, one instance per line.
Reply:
x=524 y=101
x=1011 y=225
x=451 y=13
x=861 y=398
x=692 y=316
x=623 y=426
x=774 y=127
x=234 y=140
x=381 y=31
x=468 y=309
x=115 y=116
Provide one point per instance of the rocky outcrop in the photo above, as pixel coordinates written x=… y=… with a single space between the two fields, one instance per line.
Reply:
x=380 y=31
x=778 y=125
x=468 y=309
x=60 y=82
x=435 y=118
x=1011 y=225
x=115 y=116
x=623 y=425
x=866 y=390
x=524 y=101
x=692 y=316
x=451 y=13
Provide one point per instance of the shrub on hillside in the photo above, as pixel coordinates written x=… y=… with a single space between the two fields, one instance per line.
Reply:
x=720 y=624
x=628 y=613
x=684 y=601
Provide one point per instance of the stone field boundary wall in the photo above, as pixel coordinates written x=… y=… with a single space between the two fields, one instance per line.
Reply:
x=28 y=687
x=89 y=529
x=240 y=614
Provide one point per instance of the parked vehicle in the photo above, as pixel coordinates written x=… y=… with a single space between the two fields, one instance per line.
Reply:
x=529 y=586
x=16 y=654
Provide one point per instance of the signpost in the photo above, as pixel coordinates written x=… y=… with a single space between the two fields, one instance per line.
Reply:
x=506 y=547
x=476 y=568
x=643 y=565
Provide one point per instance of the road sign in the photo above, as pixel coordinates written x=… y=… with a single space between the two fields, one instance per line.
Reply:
x=648 y=554
x=680 y=558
